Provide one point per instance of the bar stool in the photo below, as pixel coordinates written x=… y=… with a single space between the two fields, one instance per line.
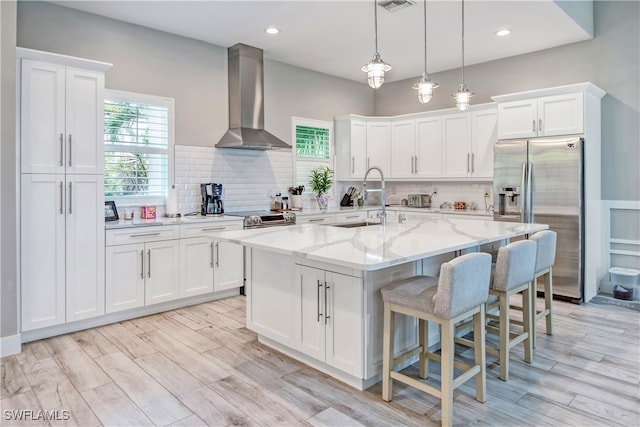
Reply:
x=545 y=258
x=461 y=292
x=514 y=270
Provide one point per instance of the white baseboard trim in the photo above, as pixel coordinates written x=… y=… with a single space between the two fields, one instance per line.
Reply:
x=10 y=345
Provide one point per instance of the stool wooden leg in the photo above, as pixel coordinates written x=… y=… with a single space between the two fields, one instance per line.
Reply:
x=504 y=336
x=447 y=353
x=479 y=354
x=533 y=296
x=423 y=339
x=548 y=299
x=387 y=356
x=526 y=314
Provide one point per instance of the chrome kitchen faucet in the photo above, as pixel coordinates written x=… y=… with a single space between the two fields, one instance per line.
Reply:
x=383 y=199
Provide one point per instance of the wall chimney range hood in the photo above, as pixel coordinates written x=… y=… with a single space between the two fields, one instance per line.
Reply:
x=246 y=102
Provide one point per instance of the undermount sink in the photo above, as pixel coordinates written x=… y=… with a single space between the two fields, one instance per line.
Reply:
x=355 y=224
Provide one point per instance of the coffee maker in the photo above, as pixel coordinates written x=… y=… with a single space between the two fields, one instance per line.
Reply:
x=211 y=199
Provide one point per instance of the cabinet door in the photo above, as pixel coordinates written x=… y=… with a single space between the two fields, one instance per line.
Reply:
x=484 y=135
x=518 y=119
x=84 y=121
x=42 y=240
x=312 y=312
x=378 y=146
x=85 y=247
x=42 y=133
x=124 y=265
x=561 y=114
x=428 y=157
x=228 y=266
x=196 y=266
x=457 y=145
x=162 y=281
x=403 y=137
x=358 y=149
x=344 y=329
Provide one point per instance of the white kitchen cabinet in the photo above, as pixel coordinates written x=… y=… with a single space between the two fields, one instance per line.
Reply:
x=484 y=134
x=416 y=148
x=124 y=277
x=316 y=219
x=378 y=146
x=351 y=148
x=206 y=264
x=402 y=156
x=552 y=115
x=331 y=318
x=62 y=123
x=142 y=266
x=427 y=162
x=351 y=217
x=457 y=145
x=62 y=249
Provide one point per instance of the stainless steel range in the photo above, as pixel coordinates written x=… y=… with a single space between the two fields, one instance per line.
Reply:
x=264 y=219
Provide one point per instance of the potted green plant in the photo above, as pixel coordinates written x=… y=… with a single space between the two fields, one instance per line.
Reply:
x=321 y=183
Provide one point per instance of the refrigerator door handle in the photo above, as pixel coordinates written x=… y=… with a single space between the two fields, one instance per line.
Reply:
x=530 y=200
x=523 y=193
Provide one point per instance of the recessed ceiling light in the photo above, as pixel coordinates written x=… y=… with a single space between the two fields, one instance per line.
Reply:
x=272 y=30
x=502 y=33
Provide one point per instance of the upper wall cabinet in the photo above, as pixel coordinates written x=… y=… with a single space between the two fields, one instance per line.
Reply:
x=61 y=110
x=351 y=149
x=378 y=145
x=547 y=112
x=416 y=148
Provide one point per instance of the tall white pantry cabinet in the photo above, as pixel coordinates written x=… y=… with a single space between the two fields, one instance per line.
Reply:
x=61 y=188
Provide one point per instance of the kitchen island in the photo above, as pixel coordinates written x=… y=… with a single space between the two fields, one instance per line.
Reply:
x=313 y=292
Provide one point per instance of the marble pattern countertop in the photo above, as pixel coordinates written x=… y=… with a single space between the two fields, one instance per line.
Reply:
x=375 y=247
x=195 y=219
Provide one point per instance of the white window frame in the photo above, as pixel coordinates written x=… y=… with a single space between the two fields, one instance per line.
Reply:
x=169 y=103
x=300 y=121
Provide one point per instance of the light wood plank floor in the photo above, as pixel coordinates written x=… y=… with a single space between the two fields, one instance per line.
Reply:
x=200 y=366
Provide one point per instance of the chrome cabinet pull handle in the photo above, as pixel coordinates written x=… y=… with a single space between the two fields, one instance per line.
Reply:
x=213 y=228
x=326 y=307
x=142 y=264
x=61 y=198
x=534 y=125
x=316 y=219
x=70 y=198
x=217 y=255
x=353 y=164
x=352 y=216
x=144 y=234
x=149 y=263
x=318 y=300
x=468 y=158
x=415 y=162
x=61 y=150
x=211 y=255
x=70 y=150
x=540 y=125
x=473 y=162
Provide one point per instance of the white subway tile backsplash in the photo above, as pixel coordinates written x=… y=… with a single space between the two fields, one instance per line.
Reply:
x=248 y=177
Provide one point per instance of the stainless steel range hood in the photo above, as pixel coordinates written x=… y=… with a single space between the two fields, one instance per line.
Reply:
x=246 y=102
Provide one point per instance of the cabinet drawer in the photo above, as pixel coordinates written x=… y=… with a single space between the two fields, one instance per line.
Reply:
x=316 y=219
x=141 y=234
x=198 y=230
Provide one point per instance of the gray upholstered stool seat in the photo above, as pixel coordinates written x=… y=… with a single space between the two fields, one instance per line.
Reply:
x=460 y=292
x=513 y=274
x=545 y=258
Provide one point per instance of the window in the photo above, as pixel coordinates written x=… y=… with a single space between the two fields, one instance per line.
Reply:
x=312 y=148
x=138 y=145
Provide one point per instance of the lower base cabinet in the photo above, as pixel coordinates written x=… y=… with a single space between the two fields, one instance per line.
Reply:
x=331 y=318
x=142 y=267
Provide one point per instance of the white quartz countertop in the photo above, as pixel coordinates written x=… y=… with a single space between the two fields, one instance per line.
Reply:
x=374 y=247
x=191 y=219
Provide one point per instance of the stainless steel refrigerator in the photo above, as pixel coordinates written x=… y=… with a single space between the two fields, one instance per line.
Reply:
x=541 y=180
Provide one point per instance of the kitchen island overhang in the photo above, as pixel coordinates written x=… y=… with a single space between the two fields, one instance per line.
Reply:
x=313 y=292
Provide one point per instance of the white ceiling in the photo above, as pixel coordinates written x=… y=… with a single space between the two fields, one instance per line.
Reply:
x=337 y=37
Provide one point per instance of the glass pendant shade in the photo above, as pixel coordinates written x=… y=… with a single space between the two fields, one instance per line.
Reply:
x=375 y=71
x=425 y=89
x=463 y=97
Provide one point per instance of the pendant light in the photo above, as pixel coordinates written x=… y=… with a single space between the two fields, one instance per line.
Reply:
x=425 y=86
x=377 y=67
x=463 y=95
